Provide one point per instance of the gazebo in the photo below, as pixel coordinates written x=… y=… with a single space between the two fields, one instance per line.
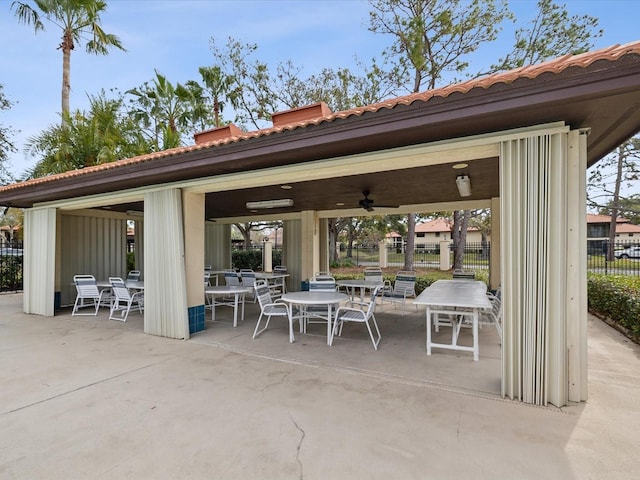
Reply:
x=524 y=138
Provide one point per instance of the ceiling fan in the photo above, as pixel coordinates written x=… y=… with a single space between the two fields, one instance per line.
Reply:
x=368 y=203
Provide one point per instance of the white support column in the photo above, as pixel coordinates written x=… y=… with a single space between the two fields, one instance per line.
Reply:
x=383 y=254
x=193 y=214
x=39 y=261
x=267 y=257
x=165 y=312
x=445 y=255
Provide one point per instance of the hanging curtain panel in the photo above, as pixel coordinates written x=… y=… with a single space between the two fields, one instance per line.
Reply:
x=90 y=245
x=39 y=261
x=536 y=203
x=292 y=252
x=217 y=245
x=164 y=277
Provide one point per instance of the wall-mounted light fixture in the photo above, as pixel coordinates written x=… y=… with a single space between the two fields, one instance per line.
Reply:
x=464 y=185
x=283 y=202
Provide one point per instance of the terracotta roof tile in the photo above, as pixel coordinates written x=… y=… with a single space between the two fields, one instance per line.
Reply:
x=531 y=71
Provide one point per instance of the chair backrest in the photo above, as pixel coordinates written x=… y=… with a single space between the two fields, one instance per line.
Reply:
x=280 y=269
x=120 y=290
x=86 y=286
x=207 y=278
x=208 y=268
x=231 y=279
x=133 y=275
x=372 y=301
x=248 y=277
x=322 y=284
x=373 y=274
x=263 y=293
x=405 y=283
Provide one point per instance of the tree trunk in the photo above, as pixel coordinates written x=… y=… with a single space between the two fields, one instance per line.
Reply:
x=459 y=236
x=66 y=46
x=332 y=225
x=615 y=205
x=411 y=234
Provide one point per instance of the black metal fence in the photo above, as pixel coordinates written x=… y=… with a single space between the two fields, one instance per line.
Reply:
x=476 y=255
x=11 y=255
x=625 y=260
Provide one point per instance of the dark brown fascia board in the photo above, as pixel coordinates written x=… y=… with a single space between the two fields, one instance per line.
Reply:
x=337 y=137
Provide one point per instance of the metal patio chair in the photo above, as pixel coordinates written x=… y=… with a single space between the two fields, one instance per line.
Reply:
x=123 y=300
x=88 y=294
x=364 y=314
x=270 y=308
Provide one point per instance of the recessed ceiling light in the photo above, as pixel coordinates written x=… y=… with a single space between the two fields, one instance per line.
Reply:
x=286 y=187
x=340 y=204
x=459 y=166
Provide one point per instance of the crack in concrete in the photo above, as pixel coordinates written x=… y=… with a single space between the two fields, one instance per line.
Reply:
x=299 y=445
x=269 y=385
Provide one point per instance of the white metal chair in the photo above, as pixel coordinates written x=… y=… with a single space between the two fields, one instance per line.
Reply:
x=365 y=315
x=270 y=308
x=404 y=287
x=133 y=276
x=279 y=285
x=374 y=274
x=320 y=283
x=231 y=278
x=88 y=294
x=248 y=279
x=123 y=300
x=492 y=316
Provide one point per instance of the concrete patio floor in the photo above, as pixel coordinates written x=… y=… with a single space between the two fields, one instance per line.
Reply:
x=85 y=397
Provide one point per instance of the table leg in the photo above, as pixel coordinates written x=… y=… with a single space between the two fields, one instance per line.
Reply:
x=428 y=330
x=476 y=349
x=235 y=309
x=329 y=324
x=213 y=308
x=242 y=299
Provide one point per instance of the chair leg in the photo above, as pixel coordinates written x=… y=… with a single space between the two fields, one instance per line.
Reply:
x=257 y=332
x=375 y=324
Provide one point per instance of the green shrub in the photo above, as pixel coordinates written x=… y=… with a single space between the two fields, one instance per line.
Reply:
x=10 y=273
x=618 y=298
x=131 y=261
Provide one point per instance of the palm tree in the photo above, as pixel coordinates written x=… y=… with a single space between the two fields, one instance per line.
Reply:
x=79 y=21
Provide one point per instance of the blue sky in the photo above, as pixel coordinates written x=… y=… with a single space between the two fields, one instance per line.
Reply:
x=174 y=36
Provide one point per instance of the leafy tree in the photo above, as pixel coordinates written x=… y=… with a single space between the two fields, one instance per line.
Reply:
x=607 y=178
x=164 y=111
x=550 y=34
x=218 y=87
x=102 y=135
x=628 y=207
x=6 y=145
x=79 y=21
x=13 y=218
x=432 y=38
x=481 y=220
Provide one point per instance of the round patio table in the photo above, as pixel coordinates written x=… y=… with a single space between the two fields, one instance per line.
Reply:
x=238 y=293
x=316 y=298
